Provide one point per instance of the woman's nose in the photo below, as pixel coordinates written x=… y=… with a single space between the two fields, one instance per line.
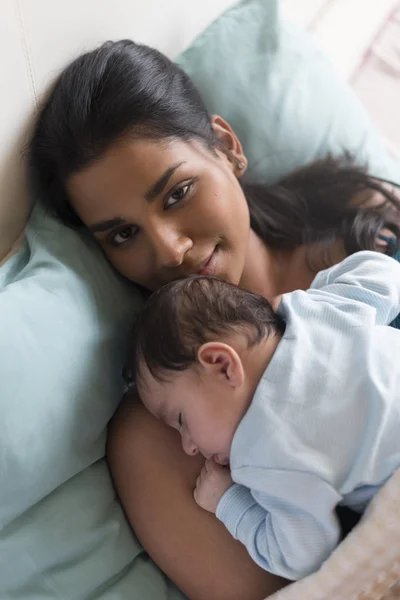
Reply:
x=169 y=246
x=189 y=446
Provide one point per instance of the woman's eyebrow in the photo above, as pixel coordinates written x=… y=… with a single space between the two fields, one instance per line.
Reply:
x=152 y=193
x=106 y=225
x=161 y=183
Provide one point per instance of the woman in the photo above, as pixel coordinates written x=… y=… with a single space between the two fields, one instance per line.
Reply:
x=125 y=148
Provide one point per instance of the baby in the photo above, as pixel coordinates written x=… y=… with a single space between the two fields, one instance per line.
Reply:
x=303 y=404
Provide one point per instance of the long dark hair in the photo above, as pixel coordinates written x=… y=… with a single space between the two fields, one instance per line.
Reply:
x=329 y=199
x=123 y=89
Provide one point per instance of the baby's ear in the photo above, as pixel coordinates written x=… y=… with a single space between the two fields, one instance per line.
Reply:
x=221 y=361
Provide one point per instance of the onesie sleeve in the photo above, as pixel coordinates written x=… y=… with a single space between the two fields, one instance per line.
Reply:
x=370 y=278
x=286 y=519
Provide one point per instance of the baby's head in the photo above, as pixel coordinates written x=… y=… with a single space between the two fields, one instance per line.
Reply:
x=197 y=353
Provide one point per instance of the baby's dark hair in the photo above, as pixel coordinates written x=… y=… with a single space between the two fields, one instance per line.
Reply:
x=185 y=314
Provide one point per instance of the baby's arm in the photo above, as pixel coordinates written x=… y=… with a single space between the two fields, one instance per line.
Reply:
x=367 y=277
x=286 y=520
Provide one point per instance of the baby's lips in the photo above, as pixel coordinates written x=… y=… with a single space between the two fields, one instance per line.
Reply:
x=221 y=461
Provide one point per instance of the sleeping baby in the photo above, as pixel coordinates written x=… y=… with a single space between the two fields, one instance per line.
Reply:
x=296 y=411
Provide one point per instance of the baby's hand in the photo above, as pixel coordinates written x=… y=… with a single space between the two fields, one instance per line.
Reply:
x=211 y=485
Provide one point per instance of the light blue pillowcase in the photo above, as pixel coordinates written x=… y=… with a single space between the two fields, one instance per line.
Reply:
x=280 y=93
x=64 y=315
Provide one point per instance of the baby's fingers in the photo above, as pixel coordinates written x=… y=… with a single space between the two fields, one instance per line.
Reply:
x=209 y=465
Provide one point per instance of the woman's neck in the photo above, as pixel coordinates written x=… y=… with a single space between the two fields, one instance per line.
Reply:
x=271 y=273
x=261 y=273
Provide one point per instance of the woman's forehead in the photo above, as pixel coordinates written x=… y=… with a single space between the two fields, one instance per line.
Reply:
x=139 y=160
x=130 y=168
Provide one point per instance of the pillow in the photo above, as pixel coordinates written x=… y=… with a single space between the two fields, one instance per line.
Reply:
x=64 y=314
x=280 y=93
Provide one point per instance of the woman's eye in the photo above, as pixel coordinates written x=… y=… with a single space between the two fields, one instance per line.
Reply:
x=122 y=236
x=178 y=195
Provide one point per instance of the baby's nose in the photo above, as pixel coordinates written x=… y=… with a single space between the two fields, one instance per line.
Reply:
x=189 y=447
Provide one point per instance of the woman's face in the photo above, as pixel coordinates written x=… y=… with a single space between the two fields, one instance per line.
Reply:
x=163 y=210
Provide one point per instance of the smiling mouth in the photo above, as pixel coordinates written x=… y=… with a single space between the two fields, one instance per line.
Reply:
x=208 y=267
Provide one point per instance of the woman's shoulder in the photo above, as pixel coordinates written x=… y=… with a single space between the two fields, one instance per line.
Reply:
x=127 y=425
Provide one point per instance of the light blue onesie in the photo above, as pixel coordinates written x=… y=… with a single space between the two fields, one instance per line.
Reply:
x=324 y=425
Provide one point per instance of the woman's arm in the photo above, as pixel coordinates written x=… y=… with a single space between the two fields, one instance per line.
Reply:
x=155 y=481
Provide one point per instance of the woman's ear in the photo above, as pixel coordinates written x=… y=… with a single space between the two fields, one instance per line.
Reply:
x=222 y=362
x=229 y=144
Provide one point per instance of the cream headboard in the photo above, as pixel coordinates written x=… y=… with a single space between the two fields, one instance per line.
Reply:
x=39 y=37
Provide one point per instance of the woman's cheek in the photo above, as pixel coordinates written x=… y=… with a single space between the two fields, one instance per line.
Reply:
x=127 y=265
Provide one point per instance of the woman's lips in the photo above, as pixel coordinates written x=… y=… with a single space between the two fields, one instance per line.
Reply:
x=208 y=267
